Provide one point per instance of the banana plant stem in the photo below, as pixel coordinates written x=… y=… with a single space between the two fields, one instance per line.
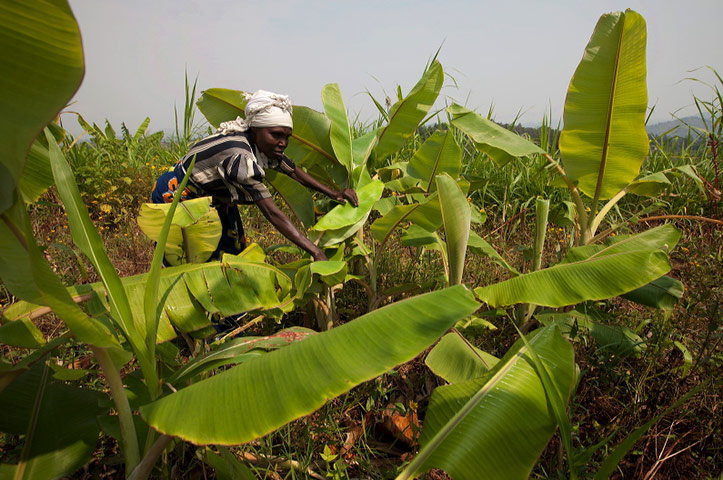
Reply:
x=581 y=213
x=120 y=399
x=143 y=470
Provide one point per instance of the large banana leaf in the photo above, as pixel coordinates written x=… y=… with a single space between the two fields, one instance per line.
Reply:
x=570 y=283
x=407 y=113
x=57 y=421
x=664 y=237
x=42 y=65
x=499 y=143
x=297 y=197
x=220 y=105
x=194 y=233
x=88 y=240
x=340 y=134
x=456 y=219
x=438 y=154
x=497 y=425
x=604 y=140
x=234 y=285
x=309 y=143
x=262 y=394
x=37 y=175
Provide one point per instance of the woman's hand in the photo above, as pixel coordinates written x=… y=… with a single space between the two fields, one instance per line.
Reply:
x=319 y=256
x=347 y=195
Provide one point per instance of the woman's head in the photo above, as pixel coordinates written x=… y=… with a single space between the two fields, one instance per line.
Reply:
x=263 y=110
x=268 y=109
x=272 y=141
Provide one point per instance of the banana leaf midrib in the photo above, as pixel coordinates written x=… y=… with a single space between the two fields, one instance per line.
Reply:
x=608 y=122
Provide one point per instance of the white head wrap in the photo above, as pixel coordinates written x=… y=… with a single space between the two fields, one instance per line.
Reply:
x=263 y=109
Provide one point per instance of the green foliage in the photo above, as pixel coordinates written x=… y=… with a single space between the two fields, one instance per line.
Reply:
x=46 y=61
x=421 y=191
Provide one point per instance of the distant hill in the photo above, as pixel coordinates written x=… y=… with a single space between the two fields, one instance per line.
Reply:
x=676 y=128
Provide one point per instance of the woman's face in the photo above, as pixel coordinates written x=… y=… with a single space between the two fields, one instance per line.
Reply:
x=272 y=141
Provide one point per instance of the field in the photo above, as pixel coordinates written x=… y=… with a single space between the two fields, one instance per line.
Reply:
x=499 y=305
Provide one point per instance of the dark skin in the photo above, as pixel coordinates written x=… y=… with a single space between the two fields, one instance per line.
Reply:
x=272 y=141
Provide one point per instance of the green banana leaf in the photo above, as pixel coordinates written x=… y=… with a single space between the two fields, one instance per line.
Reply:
x=340 y=134
x=296 y=196
x=614 y=339
x=649 y=185
x=187 y=292
x=273 y=389
x=570 y=283
x=331 y=272
x=362 y=147
x=89 y=242
x=473 y=430
x=21 y=333
x=37 y=175
x=345 y=220
x=194 y=233
x=329 y=238
x=480 y=246
x=397 y=179
x=604 y=140
x=663 y=293
x=236 y=351
x=664 y=237
x=416 y=236
x=347 y=214
x=456 y=360
x=427 y=215
x=220 y=105
x=309 y=143
x=42 y=65
x=406 y=114
x=456 y=218
x=499 y=143
x=439 y=154
x=57 y=420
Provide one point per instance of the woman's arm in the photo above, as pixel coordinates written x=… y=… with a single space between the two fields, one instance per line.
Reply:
x=282 y=223
x=308 y=181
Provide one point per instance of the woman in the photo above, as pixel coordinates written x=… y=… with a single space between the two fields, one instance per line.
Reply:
x=230 y=167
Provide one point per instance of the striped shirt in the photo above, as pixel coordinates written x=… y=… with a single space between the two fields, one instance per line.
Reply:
x=231 y=169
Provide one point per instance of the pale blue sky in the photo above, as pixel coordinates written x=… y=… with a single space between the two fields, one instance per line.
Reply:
x=517 y=55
